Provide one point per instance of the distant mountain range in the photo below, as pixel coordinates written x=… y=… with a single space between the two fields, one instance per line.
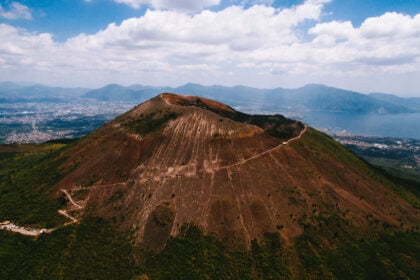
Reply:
x=413 y=103
x=11 y=92
x=312 y=97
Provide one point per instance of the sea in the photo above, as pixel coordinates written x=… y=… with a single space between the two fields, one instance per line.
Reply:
x=385 y=125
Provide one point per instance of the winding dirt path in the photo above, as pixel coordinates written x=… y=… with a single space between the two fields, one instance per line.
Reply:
x=34 y=232
x=65 y=214
x=22 y=230
x=78 y=206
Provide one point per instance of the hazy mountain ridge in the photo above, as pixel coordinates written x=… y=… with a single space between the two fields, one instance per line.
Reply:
x=115 y=92
x=311 y=97
x=12 y=92
x=412 y=103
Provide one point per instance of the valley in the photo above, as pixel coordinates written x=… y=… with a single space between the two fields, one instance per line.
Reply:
x=36 y=122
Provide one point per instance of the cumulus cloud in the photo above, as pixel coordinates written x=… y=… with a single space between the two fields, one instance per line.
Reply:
x=19 y=48
x=15 y=11
x=230 y=28
x=136 y=4
x=390 y=39
x=393 y=25
x=173 y=47
x=170 y=4
x=256 y=2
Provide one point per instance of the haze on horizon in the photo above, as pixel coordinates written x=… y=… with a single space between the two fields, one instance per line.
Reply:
x=366 y=46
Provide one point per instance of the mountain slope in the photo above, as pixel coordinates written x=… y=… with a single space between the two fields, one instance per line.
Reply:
x=184 y=187
x=177 y=160
x=11 y=92
x=412 y=103
x=323 y=98
x=115 y=92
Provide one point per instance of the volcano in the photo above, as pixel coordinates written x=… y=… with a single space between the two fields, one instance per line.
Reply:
x=183 y=160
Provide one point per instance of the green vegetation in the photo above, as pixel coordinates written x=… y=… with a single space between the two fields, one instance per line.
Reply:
x=322 y=145
x=91 y=250
x=149 y=123
x=95 y=250
x=397 y=162
x=25 y=178
x=269 y=258
x=392 y=168
x=277 y=125
x=195 y=256
x=386 y=255
x=407 y=183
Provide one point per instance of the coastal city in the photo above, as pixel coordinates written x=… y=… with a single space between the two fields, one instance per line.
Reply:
x=39 y=122
x=400 y=153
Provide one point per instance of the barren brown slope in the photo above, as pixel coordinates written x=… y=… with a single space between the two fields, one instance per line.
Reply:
x=175 y=160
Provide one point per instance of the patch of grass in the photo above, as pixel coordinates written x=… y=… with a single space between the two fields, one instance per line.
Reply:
x=118 y=194
x=269 y=258
x=317 y=142
x=25 y=181
x=195 y=256
x=292 y=191
x=293 y=200
x=384 y=256
x=91 y=250
x=149 y=123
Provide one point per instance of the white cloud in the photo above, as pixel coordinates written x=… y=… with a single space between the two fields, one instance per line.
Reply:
x=136 y=4
x=15 y=11
x=256 y=2
x=230 y=28
x=393 y=25
x=389 y=40
x=20 y=49
x=223 y=47
x=171 y=4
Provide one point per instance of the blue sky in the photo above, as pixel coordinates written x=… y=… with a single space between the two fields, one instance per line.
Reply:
x=66 y=18
x=369 y=45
